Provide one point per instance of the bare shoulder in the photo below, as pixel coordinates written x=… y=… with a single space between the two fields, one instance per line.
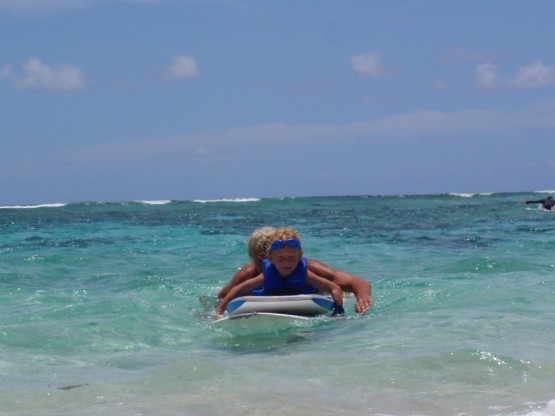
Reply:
x=320 y=268
x=249 y=270
x=316 y=263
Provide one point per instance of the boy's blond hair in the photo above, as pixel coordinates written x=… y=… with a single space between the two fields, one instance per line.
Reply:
x=284 y=234
x=259 y=242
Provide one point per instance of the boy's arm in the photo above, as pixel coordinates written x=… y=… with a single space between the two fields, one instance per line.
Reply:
x=245 y=287
x=325 y=285
x=361 y=288
x=248 y=271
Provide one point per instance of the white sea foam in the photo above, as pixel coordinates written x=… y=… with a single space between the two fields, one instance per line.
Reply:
x=548 y=410
x=33 y=206
x=204 y=201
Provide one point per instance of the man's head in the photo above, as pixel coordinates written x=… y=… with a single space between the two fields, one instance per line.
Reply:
x=258 y=242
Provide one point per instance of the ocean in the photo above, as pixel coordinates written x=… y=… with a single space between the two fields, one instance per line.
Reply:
x=107 y=309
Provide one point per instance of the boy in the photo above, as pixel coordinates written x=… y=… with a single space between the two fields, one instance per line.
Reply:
x=258 y=243
x=285 y=271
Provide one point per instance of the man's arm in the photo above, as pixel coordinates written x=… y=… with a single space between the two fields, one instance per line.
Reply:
x=362 y=289
x=248 y=271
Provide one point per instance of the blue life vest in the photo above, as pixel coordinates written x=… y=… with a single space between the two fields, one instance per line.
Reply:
x=275 y=285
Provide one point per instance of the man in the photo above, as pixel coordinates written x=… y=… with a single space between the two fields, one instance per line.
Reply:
x=257 y=245
x=547 y=203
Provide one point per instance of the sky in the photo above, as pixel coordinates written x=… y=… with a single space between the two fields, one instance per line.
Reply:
x=120 y=100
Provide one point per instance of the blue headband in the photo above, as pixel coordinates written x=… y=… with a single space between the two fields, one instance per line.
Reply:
x=291 y=243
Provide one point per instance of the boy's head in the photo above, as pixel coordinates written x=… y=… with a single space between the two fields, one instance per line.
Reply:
x=258 y=243
x=285 y=250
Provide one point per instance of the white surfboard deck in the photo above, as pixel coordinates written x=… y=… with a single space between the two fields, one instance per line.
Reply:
x=302 y=305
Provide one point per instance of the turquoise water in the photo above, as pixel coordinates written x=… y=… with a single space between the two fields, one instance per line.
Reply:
x=106 y=309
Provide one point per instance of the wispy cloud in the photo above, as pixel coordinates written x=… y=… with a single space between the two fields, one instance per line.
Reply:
x=439 y=85
x=457 y=54
x=53 y=6
x=41 y=6
x=157 y=164
x=183 y=67
x=314 y=86
x=427 y=123
x=369 y=64
x=38 y=76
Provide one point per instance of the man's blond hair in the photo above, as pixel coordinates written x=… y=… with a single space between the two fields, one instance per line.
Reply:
x=258 y=243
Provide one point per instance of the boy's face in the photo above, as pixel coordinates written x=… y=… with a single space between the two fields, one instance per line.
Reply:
x=285 y=259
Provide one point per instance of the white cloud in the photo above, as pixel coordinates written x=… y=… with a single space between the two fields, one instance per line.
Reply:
x=369 y=64
x=486 y=75
x=183 y=67
x=534 y=75
x=38 y=76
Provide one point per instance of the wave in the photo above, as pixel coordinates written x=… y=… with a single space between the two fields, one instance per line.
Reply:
x=204 y=201
x=244 y=200
x=470 y=195
x=33 y=206
x=155 y=202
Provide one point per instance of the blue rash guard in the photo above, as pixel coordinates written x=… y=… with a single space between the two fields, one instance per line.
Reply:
x=275 y=285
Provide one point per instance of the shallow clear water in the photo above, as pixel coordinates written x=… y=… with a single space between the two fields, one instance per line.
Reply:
x=107 y=308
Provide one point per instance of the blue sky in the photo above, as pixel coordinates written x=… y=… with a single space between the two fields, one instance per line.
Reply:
x=115 y=100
